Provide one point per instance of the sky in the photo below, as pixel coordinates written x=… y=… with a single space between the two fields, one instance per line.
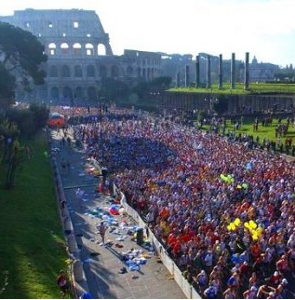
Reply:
x=264 y=28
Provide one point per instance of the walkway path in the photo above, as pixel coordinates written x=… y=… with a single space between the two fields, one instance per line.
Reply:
x=102 y=265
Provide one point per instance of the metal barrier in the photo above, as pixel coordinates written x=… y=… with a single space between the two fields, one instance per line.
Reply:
x=173 y=269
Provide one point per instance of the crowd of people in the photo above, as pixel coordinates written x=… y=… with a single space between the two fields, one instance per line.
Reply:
x=224 y=212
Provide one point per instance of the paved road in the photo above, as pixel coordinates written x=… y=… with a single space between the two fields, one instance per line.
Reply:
x=103 y=264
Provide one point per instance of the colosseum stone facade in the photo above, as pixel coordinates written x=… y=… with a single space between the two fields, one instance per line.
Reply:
x=79 y=55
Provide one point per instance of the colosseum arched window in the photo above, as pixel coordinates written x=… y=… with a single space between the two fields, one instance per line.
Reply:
x=89 y=49
x=103 y=71
x=77 y=48
x=67 y=93
x=90 y=71
x=91 y=93
x=52 y=48
x=64 y=48
x=79 y=93
x=53 y=71
x=78 y=71
x=129 y=71
x=101 y=49
x=66 y=71
x=114 y=71
x=54 y=93
x=138 y=72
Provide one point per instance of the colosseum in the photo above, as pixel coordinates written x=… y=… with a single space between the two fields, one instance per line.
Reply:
x=79 y=55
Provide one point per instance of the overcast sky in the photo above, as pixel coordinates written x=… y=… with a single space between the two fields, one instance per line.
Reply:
x=264 y=28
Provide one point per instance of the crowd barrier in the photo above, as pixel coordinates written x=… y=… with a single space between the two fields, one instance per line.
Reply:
x=173 y=269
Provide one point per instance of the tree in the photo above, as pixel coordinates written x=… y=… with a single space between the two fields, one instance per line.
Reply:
x=16 y=157
x=21 y=58
x=113 y=89
x=8 y=133
x=7 y=86
x=162 y=82
x=145 y=89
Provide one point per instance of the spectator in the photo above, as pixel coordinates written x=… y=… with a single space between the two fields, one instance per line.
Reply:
x=63 y=283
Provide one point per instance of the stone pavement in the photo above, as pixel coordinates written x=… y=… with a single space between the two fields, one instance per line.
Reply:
x=102 y=264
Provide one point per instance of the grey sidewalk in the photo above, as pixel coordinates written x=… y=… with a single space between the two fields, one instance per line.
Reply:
x=101 y=264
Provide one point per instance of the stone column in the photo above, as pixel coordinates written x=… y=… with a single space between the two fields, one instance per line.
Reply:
x=187 y=77
x=233 y=72
x=246 y=78
x=220 y=72
x=197 y=71
x=178 y=79
x=208 y=86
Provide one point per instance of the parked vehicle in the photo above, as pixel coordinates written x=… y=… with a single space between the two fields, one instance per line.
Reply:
x=56 y=120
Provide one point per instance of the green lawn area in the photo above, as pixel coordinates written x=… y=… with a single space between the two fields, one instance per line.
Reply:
x=254 y=88
x=267 y=132
x=32 y=242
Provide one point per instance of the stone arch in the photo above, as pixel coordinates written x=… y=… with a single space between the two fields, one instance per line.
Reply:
x=52 y=48
x=90 y=71
x=79 y=93
x=91 y=93
x=129 y=71
x=148 y=70
x=67 y=93
x=101 y=49
x=114 y=71
x=138 y=72
x=54 y=93
x=89 y=49
x=77 y=48
x=53 y=72
x=64 y=48
x=66 y=71
x=103 y=71
x=78 y=71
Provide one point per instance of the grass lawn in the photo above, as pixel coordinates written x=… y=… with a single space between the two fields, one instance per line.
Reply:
x=267 y=132
x=32 y=243
x=254 y=88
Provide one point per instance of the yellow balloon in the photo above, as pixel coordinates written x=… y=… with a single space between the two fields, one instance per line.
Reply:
x=237 y=222
x=228 y=227
x=254 y=237
x=259 y=230
x=253 y=224
x=247 y=225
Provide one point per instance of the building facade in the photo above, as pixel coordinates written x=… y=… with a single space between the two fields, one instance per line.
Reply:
x=79 y=55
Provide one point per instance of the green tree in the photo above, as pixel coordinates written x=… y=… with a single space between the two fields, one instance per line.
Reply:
x=145 y=89
x=40 y=114
x=21 y=58
x=16 y=157
x=7 y=87
x=8 y=133
x=162 y=82
x=113 y=89
x=29 y=120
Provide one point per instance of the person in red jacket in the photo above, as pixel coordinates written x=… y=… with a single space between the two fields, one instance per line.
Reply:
x=63 y=284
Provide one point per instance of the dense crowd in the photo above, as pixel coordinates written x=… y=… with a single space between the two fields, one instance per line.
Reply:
x=224 y=212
